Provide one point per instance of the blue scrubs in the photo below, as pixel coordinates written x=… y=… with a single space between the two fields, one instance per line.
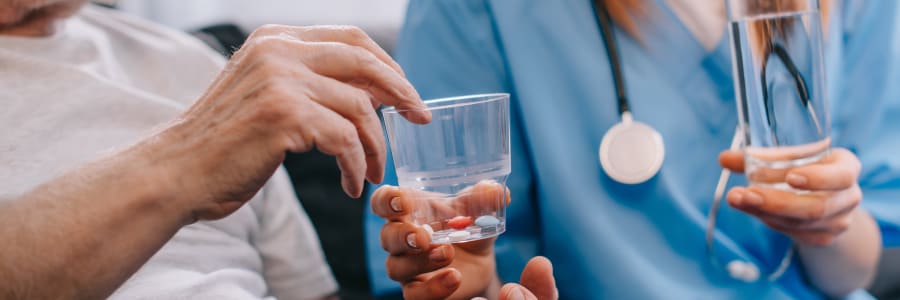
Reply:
x=609 y=240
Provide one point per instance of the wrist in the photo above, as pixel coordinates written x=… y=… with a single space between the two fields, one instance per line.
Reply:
x=156 y=178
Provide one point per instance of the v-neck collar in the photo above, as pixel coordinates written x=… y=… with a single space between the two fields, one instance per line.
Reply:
x=690 y=66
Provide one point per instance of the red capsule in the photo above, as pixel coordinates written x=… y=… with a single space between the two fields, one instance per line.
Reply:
x=459 y=222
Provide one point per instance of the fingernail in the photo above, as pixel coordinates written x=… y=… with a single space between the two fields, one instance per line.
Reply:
x=411 y=240
x=395 y=205
x=753 y=198
x=796 y=179
x=517 y=294
x=479 y=298
x=438 y=255
x=450 y=280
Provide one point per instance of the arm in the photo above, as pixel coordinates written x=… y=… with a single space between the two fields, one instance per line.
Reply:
x=86 y=232
x=849 y=263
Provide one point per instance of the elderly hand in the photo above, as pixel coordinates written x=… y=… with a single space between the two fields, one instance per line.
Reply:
x=814 y=218
x=287 y=89
x=456 y=271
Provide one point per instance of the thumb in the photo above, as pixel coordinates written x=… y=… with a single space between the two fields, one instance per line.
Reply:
x=512 y=291
x=538 y=278
x=732 y=160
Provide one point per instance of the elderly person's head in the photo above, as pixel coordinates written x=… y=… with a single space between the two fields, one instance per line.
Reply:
x=34 y=17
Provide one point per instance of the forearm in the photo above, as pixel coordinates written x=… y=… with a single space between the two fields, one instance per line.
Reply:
x=850 y=262
x=81 y=235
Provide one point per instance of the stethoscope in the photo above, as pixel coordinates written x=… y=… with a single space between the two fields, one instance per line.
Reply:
x=632 y=152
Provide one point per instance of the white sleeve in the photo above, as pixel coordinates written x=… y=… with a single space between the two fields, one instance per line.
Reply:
x=266 y=248
x=293 y=263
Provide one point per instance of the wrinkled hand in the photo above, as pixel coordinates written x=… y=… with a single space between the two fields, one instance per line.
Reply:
x=456 y=271
x=814 y=218
x=287 y=89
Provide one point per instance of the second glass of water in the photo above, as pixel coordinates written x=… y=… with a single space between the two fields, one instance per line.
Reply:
x=779 y=76
x=454 y=169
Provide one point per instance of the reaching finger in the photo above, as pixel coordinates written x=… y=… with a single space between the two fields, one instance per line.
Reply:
x=350 y=63
x=349 y=35
x=404 y=238
x=732 y=160
x=512 y=291
x=837 y=171
x=537 y=277
x=334 y=135
x=403 y=268
x=436 y=285
x=354 y=105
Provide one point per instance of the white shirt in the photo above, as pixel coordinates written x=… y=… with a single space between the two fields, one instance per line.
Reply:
x=105 y=80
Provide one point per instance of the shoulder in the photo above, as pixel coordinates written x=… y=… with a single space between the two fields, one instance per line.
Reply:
x=181 y=64
x=147 y=33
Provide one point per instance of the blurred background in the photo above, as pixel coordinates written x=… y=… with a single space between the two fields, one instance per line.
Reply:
x=381 y=19
x=224 y=24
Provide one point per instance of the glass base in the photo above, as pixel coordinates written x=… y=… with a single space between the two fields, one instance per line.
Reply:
x=468 y=234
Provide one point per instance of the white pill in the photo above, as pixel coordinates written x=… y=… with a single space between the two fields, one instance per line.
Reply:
x=457 y=236
x=485 y=221
x=428 y=228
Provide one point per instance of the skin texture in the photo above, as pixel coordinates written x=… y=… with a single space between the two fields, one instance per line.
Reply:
x=428 y=271
x=83 y=234
x=838 y=241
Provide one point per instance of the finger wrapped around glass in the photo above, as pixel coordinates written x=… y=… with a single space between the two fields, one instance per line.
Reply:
x=454 y=169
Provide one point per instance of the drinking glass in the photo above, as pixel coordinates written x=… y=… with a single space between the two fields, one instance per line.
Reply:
x=454 y=169
x=779 y=75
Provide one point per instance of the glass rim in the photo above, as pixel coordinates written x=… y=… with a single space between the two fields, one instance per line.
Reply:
x=451 y=102
x=736 y=13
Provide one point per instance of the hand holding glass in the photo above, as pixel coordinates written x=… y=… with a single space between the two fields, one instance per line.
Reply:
x=454 y=169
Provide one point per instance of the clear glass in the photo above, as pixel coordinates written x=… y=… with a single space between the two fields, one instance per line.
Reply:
x=455 y=168
x=779 y=74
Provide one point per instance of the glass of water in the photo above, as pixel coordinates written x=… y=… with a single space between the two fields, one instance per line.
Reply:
x=779 y=75
x=454 y=169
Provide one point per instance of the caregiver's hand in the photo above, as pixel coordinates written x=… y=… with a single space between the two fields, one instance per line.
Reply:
x=287 y=89
x=815 y=218
x=457 y=271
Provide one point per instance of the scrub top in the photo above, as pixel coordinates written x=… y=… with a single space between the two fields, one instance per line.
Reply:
x=645 y=241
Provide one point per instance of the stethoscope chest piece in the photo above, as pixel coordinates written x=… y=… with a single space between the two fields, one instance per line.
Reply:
x=631 y=152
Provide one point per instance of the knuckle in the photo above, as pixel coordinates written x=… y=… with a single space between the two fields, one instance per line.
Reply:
x=267 y=29
x=393 y=272
x=841 y=225
x=363 y=57
x=816 y=211
x=347 y=136
x=262 y=47
x=351 y=31
x=362 y=107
